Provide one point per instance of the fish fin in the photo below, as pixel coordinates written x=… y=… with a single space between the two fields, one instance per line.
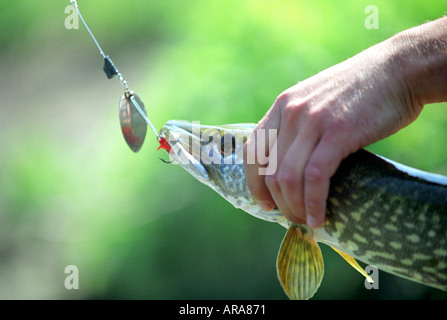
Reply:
x=299 y=264
x=354 y=264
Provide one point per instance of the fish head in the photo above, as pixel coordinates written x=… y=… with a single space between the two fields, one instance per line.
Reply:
x=214 y=156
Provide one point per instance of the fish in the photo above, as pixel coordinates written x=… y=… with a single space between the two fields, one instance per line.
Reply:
x=380 y=212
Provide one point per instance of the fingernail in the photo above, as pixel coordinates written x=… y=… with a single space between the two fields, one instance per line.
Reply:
x=313 y=222
x=266 y=205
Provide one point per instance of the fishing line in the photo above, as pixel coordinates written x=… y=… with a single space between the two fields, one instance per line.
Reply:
x=131 y=110
x=75 y=6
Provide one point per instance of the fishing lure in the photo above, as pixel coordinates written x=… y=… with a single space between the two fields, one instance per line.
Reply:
x=132 y=113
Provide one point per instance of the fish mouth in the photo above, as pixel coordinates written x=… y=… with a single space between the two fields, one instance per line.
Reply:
x=184 y=137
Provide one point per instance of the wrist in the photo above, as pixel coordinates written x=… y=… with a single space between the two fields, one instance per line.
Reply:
x=420 y=59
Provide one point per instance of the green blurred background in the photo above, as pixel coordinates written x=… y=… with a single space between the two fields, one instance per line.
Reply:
x=72 y=192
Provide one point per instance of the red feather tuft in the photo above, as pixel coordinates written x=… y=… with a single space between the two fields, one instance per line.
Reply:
x=164 y=144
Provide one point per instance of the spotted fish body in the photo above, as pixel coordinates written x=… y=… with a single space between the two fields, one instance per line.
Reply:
x=378 y=211
x=383 y=216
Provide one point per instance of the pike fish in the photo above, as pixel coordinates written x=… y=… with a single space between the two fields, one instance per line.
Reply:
x=378 y=211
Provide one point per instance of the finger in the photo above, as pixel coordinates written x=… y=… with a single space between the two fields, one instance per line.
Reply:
x=281 y=177
x=273 y=183
x=291 y=172
x=253 y=147
x=322 y=165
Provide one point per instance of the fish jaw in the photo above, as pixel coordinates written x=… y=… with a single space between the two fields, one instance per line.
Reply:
x=196 y=148
x=199 y=150
x=181 y=140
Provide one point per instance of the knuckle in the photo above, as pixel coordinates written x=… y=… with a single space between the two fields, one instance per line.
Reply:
x=286 y=178
x=315 y=205
x=290 y=101
x=314 y=173
x=282 y=99
x=338 y=127
x=318 y=114
x=272 y=181
x=288 y=183
x=296 y=105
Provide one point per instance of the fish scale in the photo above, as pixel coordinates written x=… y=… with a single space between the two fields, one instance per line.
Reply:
x=378 y=211
x=376 y=227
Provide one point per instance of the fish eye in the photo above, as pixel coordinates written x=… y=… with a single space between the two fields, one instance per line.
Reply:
x=227 y=144
x=209 y=135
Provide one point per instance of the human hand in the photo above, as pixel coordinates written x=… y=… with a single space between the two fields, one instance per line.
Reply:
x=323 y=119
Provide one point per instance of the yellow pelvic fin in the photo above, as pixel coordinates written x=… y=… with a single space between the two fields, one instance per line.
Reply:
x=300 y=264
x=354 y=264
